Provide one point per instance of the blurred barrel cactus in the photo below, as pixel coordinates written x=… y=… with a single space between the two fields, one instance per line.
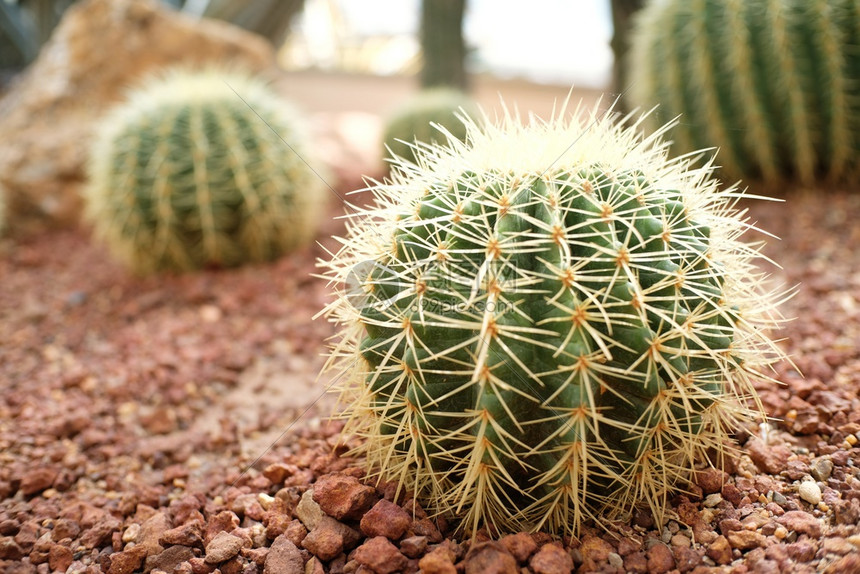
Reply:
x=417 y=119
x=201 y=169
x=547 y=324
x=771 y=83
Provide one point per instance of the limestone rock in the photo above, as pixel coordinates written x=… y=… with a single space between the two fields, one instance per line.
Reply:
x=100 y=48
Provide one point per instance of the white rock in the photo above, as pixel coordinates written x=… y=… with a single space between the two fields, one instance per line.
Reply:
x=809 y=492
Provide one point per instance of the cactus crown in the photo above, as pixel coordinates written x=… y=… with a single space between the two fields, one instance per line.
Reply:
x=429 y=117
x=201 y=168
x=547 y=324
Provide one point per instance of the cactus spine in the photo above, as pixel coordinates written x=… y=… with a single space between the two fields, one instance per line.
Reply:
x=192 y=171
x=771 y=83
x=547 y=324
x=418 y=118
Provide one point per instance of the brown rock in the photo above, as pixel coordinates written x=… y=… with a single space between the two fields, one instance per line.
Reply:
x=127 y=561
x=314 y=566
x=628 y=546
x=188 y=534
x=326 y=540
x=520 y=545
x=284 y=558
x=801 y=551
x=490 y=558
x=801 y=522
x=100 y=533
x=222 y=548
x=414 y=546
x=595 y=551
x=732 y=493
x=720 y=551
x=151 y=532
x=295 y=532
x=168 y=559
x=385 y=519
x=28 y=534
x=551 y=559
x=224 y=521
x=426 y=527
x=686 y=559
x=636 y=563
x=380 y=555
x=771 y=458
x=660 y=559
x=60 y=557
x=278 y=472
x=849 y=563
x=9 y=549
x=440 y=560
x=711 y=480
x=99 y=48
x=38 y=479
x=745 y=539
x=343 y=497
x=65 y=528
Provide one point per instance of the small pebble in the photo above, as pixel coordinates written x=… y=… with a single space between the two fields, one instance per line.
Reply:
x=713 y=500
x=781 y=532
x=779 y=498
x=615 y=560
x=130 y=534
x=821 y=469
x=810 y=492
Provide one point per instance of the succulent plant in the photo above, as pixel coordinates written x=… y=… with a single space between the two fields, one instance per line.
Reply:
x=201 y=169
x=772 y=83
x=550 y=323
x=420 y=118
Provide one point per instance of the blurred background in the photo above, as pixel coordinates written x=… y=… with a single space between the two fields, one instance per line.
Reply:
x=543 y=48
x=365 y=74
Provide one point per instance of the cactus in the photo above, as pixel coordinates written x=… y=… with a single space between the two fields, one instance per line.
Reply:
x=201 y=169
x=771 y=83
x=417 y=119
x=550 y=323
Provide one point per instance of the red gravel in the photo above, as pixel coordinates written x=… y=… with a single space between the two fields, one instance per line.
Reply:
x=136 y=416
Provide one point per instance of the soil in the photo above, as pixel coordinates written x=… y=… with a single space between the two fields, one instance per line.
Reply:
x=178 y=424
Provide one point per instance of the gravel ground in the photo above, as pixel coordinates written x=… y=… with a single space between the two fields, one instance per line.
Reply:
x=173 y=424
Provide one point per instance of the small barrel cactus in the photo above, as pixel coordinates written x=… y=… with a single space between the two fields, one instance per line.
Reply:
x=420 y=118
x=550 y=323
x=201 y=169
x=772 y=83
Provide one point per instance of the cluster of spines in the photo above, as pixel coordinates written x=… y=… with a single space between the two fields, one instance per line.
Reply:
x=531 y=348
x=771 y=83
x=201 y=169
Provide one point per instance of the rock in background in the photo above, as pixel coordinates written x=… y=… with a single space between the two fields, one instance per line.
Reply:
x=99 y=49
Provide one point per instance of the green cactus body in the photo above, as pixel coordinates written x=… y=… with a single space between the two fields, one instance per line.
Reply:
x=418 y=118
x=771 y=83
x=201 y=169
x=548 y=324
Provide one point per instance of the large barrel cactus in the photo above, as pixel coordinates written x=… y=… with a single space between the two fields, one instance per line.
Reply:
x=549 y=323
x=419 y=120
x=201 y=169
x=772 y=83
